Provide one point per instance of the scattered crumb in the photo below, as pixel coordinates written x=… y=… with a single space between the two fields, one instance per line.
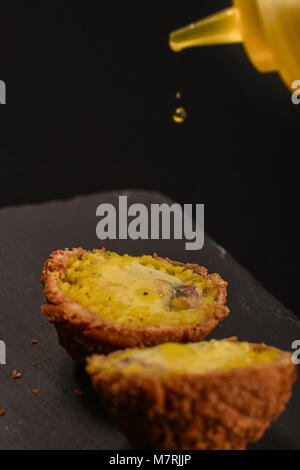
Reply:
x=34 y=341
x=78 y=393
x=35 y=391
x=2 y=412
x=16 y=374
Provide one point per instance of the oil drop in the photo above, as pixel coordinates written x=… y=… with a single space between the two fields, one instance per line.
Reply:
x=179 y=115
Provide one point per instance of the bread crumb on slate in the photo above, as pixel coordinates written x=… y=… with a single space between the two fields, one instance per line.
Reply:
x=16 y=374
x=34 y=341
x=35 y=391
x=2 y=412
x=78 y=393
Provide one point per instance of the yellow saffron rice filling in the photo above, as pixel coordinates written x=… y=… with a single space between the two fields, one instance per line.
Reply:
x=136 y=290
x=192 y=358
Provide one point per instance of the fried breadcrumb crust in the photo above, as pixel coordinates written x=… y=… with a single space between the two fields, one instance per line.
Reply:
x=83 y=333
x=222 y=410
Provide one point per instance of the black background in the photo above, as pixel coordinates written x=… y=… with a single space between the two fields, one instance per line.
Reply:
x=90 y=96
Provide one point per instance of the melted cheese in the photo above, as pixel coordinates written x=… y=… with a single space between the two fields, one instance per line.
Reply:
x=125 y=289
x=192 y=358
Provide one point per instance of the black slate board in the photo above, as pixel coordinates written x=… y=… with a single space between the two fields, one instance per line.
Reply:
x=55 y=418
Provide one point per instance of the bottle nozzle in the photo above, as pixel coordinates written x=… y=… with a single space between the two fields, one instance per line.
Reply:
x=220 y=28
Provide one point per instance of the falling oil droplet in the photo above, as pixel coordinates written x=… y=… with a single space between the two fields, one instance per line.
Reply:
x=178 y=95
x=179 y=115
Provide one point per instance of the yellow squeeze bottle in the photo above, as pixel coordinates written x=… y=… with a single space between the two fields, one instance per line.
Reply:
x=269 y=30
